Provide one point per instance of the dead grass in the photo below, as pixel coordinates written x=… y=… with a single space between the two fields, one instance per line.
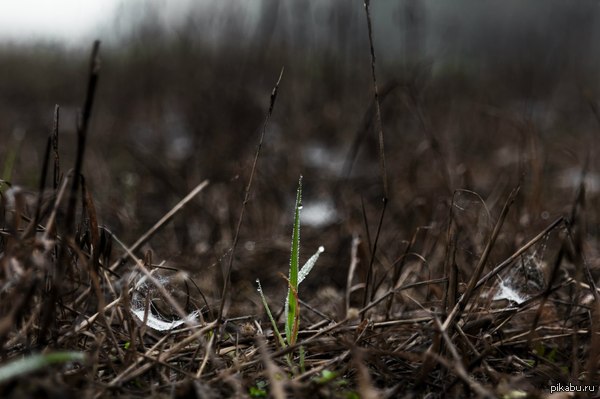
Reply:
x=478 y=279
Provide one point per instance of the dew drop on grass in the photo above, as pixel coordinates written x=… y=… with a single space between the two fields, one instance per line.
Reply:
x=259 y=288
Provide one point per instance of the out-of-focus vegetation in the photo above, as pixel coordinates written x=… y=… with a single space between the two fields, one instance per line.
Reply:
x=468 y=114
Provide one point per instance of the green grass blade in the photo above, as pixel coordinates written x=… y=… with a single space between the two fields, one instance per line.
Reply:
x=271 y=318
x=309 y=265
x=291 y=304
x=33 y=363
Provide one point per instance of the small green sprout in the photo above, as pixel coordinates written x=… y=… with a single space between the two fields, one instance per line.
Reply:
x=326 y=377
x=296 y=276
x=258 y=391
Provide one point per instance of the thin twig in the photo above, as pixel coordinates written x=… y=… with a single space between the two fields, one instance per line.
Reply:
x=56 y=175
x=379 y=124
x=168 y=216
x=518 y=253
x=457 y=366
x=353 y=264
x=472 y=285
x=247 y=196
x=82 y=128
x=368 y=286
x=369 y=292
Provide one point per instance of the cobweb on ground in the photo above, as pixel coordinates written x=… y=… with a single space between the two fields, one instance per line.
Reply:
x=524 y=279
x=142 y=306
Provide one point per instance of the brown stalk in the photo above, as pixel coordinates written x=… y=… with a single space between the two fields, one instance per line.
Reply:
x=82 y=132
x=378 y=123
x=472 y=285
x=457 y=366
x=82 y=127
x=354 y=260
x=137 y=368
x=518 y=253
x=90 y=210
x=364 y=128
x=54 y=135
x=160 y=223
x=398 y=269
x=368 y=294
x=247 y=197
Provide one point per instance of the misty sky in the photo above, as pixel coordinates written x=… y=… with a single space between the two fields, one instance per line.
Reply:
x=62 y=20
x=443 y=29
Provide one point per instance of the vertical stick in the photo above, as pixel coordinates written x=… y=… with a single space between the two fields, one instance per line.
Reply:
x=378 y=124
x=49 y=306
x=82 y=127
x=382 y=166
x=55 y=147
x=247 y=196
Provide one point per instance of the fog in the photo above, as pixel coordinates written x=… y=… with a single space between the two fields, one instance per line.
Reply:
x=459 y=31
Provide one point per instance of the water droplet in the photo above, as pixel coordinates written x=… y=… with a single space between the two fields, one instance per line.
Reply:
x=259 y=288
x=321 y=249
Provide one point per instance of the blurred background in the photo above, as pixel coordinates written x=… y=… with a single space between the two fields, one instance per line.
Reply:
x=478 y=95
